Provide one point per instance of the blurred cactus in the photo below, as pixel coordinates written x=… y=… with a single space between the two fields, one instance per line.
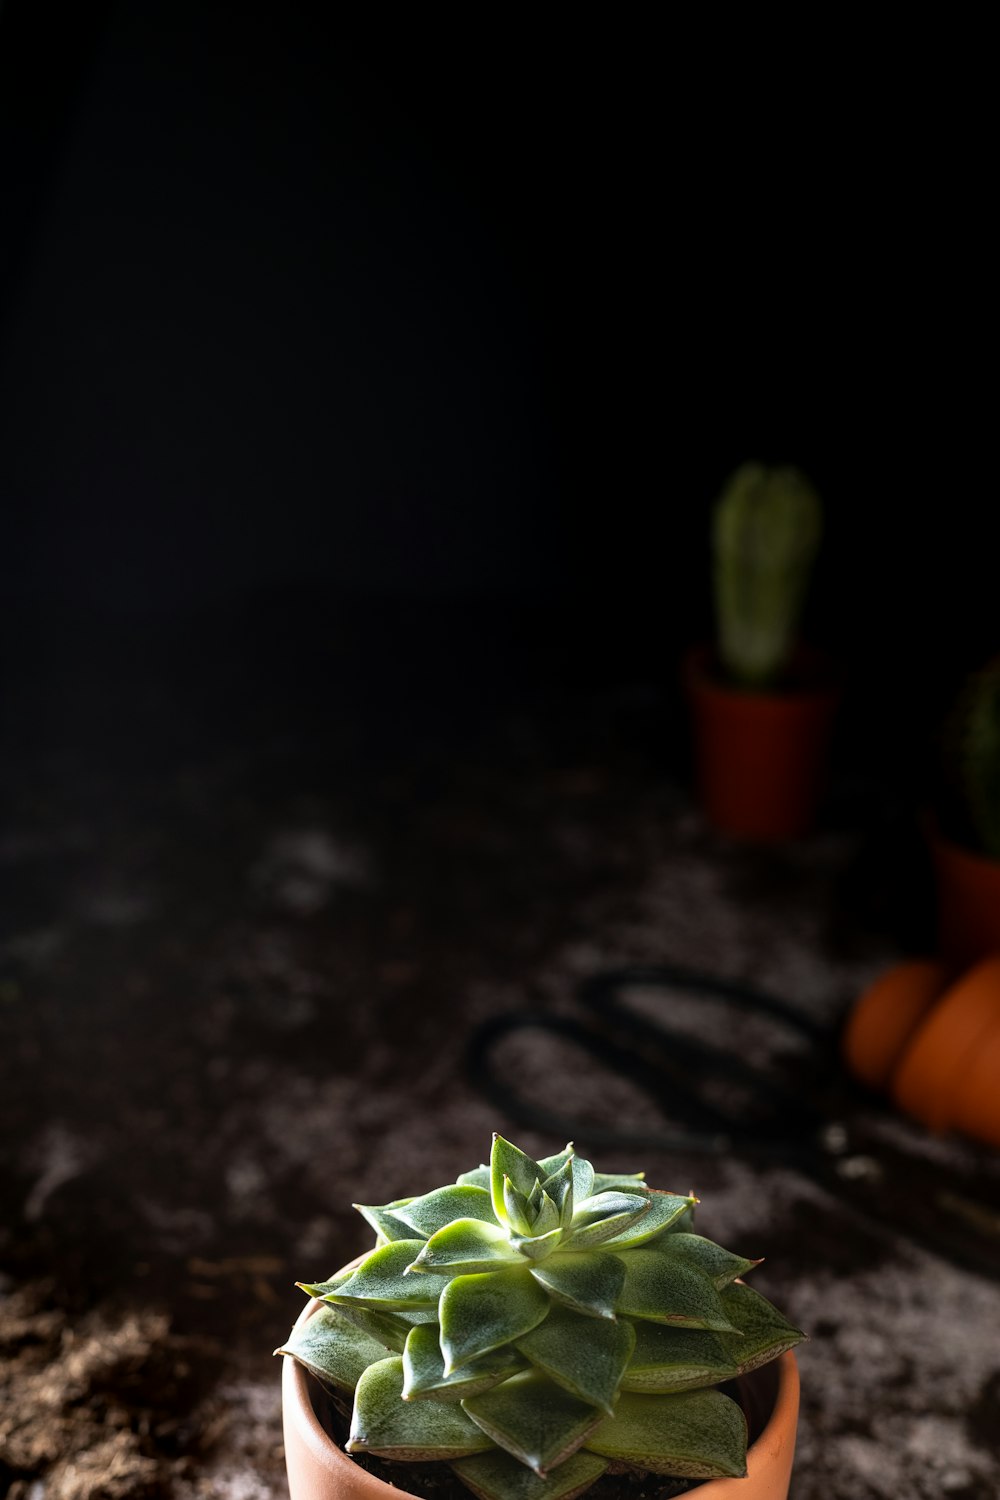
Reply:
x=766 y=532
x=972 y=750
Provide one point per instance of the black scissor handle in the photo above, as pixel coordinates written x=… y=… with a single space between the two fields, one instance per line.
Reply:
x=666 y=1065
x=600 y=991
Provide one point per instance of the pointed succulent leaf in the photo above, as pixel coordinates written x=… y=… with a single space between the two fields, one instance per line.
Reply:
x=764 y=1332
x=411 y=1316
x=384 y=1423
x=694 y=1435
x=465 y=1246
x=666 y=1289
x=390 y=1328
x=478 y=1177
x=559 y=1187
x=587 y=1282
x=537 y=1246
x=603 y=1216
x=621 y=1182
x=550 y=1165
x=483 y=1312
x=587 y=1358
x=677 y=1359
x=506 y=1161
x=500 y=1476
x=423 y=1369
x=433 y=1211
x=537 y=1421
x=684 y=1223
x=381 y=1280
x=384 y=1220
x=321 y=1289
x=583 y=1179
x=719 y=1265
x=541 y=1209
x=332 y=1348
x=663 y=1212
x=546 y=1216
x=517 y=1209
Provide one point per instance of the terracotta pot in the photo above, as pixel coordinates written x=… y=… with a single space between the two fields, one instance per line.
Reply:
x=933 y=1074
x=934 y=1043
x=760 y=757
x=883 y=1020
x=968 y=900
x=976 y=1109
x=319 y=1470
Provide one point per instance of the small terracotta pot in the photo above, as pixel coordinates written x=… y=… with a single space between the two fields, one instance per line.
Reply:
x=319 y=1470
x=760 y=757
x=968 y=900
x=934 y=1043
x=976 y=1108
x=883 y=1020
x=933 y=1074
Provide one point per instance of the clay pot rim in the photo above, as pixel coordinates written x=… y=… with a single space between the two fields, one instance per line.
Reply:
x=699 y=677
x=296 y=1384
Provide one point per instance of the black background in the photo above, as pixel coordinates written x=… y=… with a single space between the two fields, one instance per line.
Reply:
x=466 y=318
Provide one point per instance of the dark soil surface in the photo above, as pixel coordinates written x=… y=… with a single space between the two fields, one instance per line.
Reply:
x=254 y=907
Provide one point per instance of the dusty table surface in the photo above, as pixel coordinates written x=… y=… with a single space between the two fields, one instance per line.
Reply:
x=242 y=956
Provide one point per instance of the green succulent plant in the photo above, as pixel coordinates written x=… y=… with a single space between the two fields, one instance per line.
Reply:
x=972 y=753
x=766 y=532
x=536 y=1322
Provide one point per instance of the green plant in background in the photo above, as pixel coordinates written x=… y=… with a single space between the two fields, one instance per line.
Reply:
x=536 y=1322
x=766 y=532
x=972 y=750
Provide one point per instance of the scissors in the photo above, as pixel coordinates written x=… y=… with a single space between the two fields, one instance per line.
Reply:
x=671 y=1067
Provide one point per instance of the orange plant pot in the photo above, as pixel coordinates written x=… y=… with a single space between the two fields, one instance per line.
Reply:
x=760 y=758
x=976 y=1109
x=883 y=1020
x=934 y=1043
x=319 y=1470
x=968 y=901
x=933 y=1073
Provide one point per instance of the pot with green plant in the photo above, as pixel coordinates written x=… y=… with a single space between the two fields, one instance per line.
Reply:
x=965 y=839
x=533 y=1331
x=762 y=704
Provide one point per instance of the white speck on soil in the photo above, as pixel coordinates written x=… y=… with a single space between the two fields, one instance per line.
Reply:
x=255 y=1412
x=898 y=1330
x=255 y=1400
x=317 y=1240
x=113 y=906
x=301 y=869
x=57 y=1156
x=229 y=1481
x=246 y=1181
x=178 y=1229
x=36 y=948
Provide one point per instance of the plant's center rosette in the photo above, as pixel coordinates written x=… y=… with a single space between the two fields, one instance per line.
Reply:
x=536 y=1322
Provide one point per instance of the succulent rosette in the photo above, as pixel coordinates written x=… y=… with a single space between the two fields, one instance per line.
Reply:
x=536 y=1322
